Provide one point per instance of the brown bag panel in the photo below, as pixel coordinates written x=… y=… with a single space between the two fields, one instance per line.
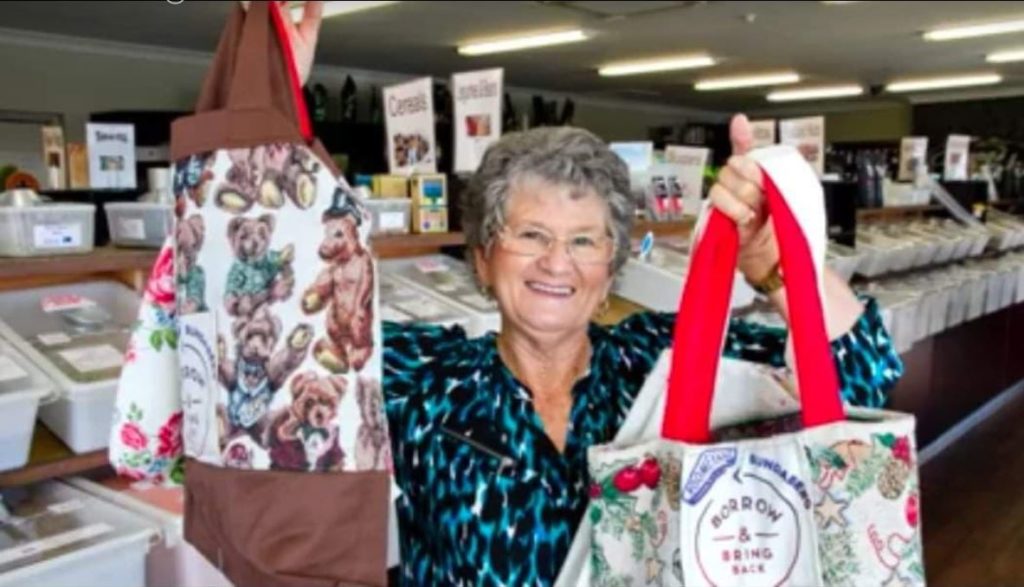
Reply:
x=289 y=529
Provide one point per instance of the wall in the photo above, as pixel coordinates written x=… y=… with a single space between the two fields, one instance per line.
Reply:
x=75 y=77
x=855 y=121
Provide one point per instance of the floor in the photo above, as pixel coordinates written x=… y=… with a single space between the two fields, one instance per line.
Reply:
x=972 y=498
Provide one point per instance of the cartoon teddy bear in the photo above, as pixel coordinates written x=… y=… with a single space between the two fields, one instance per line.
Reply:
x=345 y=288
x=304 y=436
x=373 y=452
x=191 y=279
x=256 y=372
x=258 y=275
x=190 y=177
x=266 y=175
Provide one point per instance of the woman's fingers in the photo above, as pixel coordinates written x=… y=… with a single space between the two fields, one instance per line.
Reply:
x=740 y=187
x=726 y=202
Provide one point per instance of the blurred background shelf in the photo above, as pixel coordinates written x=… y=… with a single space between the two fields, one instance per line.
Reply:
x=50 y=459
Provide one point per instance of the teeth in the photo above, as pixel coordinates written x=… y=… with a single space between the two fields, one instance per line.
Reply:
x=555 y=290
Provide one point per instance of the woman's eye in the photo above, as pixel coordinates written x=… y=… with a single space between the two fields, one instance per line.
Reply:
x=584 y=242
x=533 y=235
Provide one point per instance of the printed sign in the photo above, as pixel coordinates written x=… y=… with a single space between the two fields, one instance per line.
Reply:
x=913 y=152
x=409 y=118
x=763 y=131
x=808 y=136
x=111 y=149
x=957 y=156
x=638 y=156
x=689 y=180
x=749 y=515
x=477 y=124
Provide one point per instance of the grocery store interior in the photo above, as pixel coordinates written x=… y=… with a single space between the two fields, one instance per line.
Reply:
x=911 y=115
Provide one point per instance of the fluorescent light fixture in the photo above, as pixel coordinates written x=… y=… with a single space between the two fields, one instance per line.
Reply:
x=336 y=8
x=523 y=42
x=839 y=2
x=1005 y=56
x=747 y=81
x=940 y=83
x=656 y=65
x=976 y=30
x=815 y=93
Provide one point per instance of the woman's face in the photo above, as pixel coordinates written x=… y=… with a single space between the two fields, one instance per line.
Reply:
x=550 y=293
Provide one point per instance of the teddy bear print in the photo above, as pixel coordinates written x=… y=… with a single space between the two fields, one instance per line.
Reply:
x=267 y=175
x=191 y=279
x=258 y=275
x=344 y=288
x=191 y=175
x=304 y=436
x=256 y=371
x=373 y=453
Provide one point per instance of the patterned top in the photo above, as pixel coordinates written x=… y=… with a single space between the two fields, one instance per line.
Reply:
x=487 y=498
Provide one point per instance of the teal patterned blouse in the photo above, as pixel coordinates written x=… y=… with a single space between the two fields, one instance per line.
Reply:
x=487 y=498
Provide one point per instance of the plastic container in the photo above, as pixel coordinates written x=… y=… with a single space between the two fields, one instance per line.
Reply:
x=60 y=536
x=404 y=303
x=657 y=282
x=22 y=388
x=451 y=280
x=77 y=335
x=171 y=562
x=47 y=229
x=99 y=199
x=139 y=224
x=390 y=215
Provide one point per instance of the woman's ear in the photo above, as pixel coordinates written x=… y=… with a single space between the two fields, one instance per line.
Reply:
x=481 y=261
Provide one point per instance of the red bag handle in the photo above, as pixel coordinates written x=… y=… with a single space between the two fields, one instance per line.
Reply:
x=704 y=315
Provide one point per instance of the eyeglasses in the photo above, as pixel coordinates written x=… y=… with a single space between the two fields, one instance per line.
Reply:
x=533 y=242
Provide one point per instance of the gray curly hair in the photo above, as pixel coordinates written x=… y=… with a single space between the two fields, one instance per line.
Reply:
x=561 y=155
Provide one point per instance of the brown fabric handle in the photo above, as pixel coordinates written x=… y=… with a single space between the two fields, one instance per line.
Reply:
x=248 y=70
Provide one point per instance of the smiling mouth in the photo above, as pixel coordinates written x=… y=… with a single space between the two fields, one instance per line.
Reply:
x=561 y=291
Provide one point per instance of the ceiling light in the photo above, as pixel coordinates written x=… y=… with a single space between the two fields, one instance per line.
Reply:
x=336 y=8
x=838 y=2
x=747 y=81
x=1005 y=56
x=815 y=93
x=523 y=42
x=656 y=65
x=939 y=83
x=977 y=30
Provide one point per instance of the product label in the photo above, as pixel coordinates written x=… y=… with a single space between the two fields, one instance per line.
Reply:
x=132 y=228
x=37 y=547
x=94 y=358
x=199 y=392
x=57 y=236
x=9 y=370
x=54 y=339
x=63 y=303
x=393 y=221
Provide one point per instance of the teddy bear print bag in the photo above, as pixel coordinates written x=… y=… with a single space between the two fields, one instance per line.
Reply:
x=262 y=325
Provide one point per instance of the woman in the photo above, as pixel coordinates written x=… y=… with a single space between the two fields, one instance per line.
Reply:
x=490 y=434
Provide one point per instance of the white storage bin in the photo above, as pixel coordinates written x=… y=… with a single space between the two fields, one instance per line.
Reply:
x=657 y=283
x=403 y=302
x=451 y=280
x=390 y=215
x=59 y=536
x=47 y=229
x=139 y=224
x=77 y=335
x=22 y=388
x=171 y=562
x=843 y=260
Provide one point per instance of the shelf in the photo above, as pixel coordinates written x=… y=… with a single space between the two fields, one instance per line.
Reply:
x=869 y=214
x=50 y=459
x=101 y=260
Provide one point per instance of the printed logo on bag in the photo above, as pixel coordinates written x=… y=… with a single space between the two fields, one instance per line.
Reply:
x=198 y=375
x=748 y=511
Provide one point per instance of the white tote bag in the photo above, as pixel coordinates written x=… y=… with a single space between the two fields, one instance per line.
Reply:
x=825 y=498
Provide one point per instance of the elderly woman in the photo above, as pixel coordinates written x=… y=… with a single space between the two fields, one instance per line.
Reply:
x=490 y=435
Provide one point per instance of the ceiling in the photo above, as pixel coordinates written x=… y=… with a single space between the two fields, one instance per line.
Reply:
x=866 y=42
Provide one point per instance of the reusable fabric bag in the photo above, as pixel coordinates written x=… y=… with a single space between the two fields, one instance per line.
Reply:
x=278 y=345
x=818 y=498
